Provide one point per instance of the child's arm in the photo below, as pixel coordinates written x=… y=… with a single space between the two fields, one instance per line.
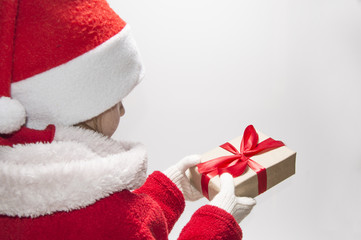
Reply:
x=208 y=222
x=163 y=191
x=219 y=220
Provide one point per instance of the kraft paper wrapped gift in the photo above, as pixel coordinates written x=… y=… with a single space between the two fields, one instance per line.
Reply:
x=277 y=160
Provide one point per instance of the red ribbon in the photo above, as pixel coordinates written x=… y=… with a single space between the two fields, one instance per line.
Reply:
x=237 y=163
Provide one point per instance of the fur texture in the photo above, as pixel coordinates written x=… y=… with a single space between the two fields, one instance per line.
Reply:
x=76 y=169
x=12 y=115
x=83 y=87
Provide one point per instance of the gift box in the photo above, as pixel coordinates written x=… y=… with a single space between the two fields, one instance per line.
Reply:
x=256 y=162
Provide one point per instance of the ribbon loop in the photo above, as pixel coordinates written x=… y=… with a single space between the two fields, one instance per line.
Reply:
x=250 y=139
x=230 y=148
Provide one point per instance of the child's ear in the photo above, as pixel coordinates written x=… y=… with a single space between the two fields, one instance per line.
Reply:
x=106 y=122
x=90 y=124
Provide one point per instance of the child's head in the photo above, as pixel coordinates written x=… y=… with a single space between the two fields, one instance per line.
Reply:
x=65 y=64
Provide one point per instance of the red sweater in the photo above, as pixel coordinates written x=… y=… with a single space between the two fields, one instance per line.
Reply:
x=149 y=212
x=79 y=187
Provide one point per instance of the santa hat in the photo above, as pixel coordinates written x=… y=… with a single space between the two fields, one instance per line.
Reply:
x=62 y=62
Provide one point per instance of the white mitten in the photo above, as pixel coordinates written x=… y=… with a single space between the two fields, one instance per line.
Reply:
x=238 y=207
x=177 y=173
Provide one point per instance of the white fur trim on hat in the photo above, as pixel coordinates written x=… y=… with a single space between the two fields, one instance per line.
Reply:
x=12 y=115
x=83 y=87
x=78 y=168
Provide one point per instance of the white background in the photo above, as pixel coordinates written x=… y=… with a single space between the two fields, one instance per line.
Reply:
x=290 y=68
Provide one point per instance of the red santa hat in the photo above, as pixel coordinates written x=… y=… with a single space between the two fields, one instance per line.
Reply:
x=62 y=62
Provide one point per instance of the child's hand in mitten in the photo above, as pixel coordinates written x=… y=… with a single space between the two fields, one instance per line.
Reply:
x=239 y=207
x=179 y=175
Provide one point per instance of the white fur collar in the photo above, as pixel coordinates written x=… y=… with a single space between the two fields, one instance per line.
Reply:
x=76 y=169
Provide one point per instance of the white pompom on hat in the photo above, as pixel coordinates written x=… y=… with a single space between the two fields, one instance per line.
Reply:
x=64 y=62
x=12 y=115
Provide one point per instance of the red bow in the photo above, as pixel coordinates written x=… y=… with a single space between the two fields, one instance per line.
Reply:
x=236 y=164
x=27 y=135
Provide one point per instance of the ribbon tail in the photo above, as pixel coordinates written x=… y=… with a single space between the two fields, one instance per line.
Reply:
x=262 y=181
x=261 y=175
x=205 y=179
x=236 y=169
